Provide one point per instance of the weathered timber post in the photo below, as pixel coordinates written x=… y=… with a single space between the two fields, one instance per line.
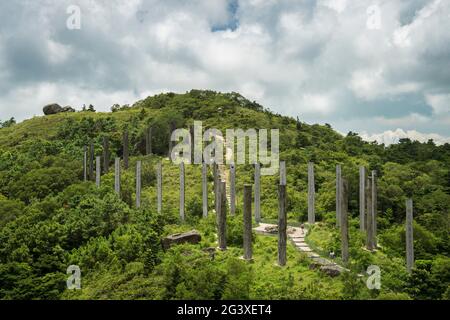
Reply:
x=159 y=177
x=344 y=221
x=222 y=216
x=182 y=194
x=409 y=236
x=369 y=227
x=91 y=161
x=258 y=192
x=216 y=187
x=204 y=189
x=138 y=183
x=117 y=176
x=171 y=129
x=248 y=252
x=374 y=208
x=338 y=194
x=126 y=150
x=191 y=132
x=148 y=141
x=97 y=171
x=105 y=154
x=232 y=189
x=311 y=194
x=283 y=180
x=362 y=187
x=282 y=225
x=85 y=163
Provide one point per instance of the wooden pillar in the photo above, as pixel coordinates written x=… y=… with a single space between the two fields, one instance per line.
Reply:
x=216 y=187
x=85 y=156
x=248 y=252
x=283 y=180
x=222 y=216
x=148 y=141
x=105 y=154
x=91 y=161
x=338 y=194
x=138 y=183
x=97 y=171
x=182 y=176
x=344 y=221
x=192 y=145
x=171 y=129
x=232 y=189
x=282 y=225
x=311 y=194
x=362 y=202
x=126 y=150
x=117 y=176
x=159 y=177
x=258 y=192
x=409 y=236
x=205 y=189
x=374 y=209
x=369 y=226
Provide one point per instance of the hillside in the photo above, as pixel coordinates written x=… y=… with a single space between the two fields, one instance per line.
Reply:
x=50 y=218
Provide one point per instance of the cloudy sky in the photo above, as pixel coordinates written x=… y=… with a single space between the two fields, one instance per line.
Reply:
x=378 y=67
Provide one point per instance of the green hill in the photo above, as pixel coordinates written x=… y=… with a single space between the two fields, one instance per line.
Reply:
x=50 y=218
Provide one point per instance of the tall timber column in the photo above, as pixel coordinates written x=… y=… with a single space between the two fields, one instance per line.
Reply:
x=374 y=208
x=311 y=194
x=126 y=150
x=117 y=176
x=85 y=156
x=98 y=172
x=148 y=141
x=216 y=187
x=105 y=154
x=248 y=251
x=159 y=177
x=222 y=216
x=205 y=189
x=282 y=225
x=409 y=236
x=258 y=192
x=344 y=221
x=283 y=180
x=182 y=194
x=338 y=194
x=369 y=226
x=192 y=139
x=232 y=189
x=91 y=161
x=138 y=183
x=362 y=202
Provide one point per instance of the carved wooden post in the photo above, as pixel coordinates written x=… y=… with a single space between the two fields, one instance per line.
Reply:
x=138 y=183
x=222 y=216
x=338 y=194
x=117 y=176
x=282 y=225
x=248 y=252
x=369 y=227
x=258 y=192
x=91 y=161
x=191 y=132
x=232 y=189
x=311 y=194
x=344 y=221
x=126 y=150
x=283 y=180
x=409 y=236
x=148 y=141
x=216 y=187
x=85 y=163
x=97 y=171
x=362 y=181
x=374 y=209
x=159 y=177
x=105 y=154
x=182 y=176
x=205 y=189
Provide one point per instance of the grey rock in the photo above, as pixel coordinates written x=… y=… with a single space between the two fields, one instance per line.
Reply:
x=192 y=237
x=332 y=271
x=68 y=109
x=53 y=108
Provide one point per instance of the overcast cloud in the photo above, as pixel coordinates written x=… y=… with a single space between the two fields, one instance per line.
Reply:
x=380 y=68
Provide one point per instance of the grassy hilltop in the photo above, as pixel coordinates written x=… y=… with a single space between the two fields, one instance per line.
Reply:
x=50 y=218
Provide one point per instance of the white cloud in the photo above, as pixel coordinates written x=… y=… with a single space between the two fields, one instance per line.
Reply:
x=440 y=103
x=393 y=136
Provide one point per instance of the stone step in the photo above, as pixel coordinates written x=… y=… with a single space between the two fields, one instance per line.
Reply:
x=304 y=249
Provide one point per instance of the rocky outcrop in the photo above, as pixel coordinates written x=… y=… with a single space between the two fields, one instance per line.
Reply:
x=331 y=270
x=192 y=237
x=55 y=108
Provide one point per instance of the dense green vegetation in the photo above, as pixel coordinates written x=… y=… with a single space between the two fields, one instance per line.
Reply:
x=50 y=218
